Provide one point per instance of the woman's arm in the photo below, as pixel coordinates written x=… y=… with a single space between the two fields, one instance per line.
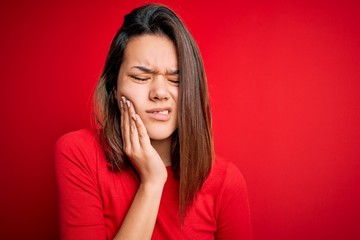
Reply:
x=80 y=204
x=140 y=219
x=233 y=214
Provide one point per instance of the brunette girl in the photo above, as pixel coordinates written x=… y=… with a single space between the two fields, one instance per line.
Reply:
x=149 y=170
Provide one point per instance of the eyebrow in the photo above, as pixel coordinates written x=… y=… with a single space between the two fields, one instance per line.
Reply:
x=148 y=70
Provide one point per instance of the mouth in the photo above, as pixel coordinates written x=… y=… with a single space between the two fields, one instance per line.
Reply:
x=160 y=114
x=165 y=112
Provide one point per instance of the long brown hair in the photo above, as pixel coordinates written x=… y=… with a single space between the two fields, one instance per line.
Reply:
x=192 y=151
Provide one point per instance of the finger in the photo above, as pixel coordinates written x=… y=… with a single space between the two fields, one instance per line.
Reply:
x=126 y=127
x=121 y=105
x=134 y=138
x=142 y=133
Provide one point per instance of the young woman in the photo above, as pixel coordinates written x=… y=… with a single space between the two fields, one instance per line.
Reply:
x=149 y=170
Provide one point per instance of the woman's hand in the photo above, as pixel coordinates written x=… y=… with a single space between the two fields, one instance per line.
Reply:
x=152 y=171
x=138 y=148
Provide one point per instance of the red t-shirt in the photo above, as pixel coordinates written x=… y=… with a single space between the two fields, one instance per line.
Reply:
x=93 y=199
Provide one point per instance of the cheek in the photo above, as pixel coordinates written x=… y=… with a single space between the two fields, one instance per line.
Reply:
x=134 y=95
x=175 y=95
x=125 y=90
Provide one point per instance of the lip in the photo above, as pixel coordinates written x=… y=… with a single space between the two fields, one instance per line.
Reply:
x=158 y=113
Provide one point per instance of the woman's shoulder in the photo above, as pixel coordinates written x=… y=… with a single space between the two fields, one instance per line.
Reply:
x=83 y=142
x=226 y=174
x=231 y=201
x=78 y=138
x=222 y=165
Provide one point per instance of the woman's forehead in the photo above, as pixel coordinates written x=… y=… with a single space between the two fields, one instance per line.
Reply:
x=152 y=52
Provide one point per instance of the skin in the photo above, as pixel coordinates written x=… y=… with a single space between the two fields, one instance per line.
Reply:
x=147 y=92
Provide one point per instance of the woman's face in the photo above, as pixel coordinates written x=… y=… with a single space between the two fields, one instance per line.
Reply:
x=148 y=77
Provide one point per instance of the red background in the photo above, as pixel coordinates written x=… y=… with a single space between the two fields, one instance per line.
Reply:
x=284 y=87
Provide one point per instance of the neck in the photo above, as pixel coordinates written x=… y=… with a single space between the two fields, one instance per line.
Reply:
x=163 y=147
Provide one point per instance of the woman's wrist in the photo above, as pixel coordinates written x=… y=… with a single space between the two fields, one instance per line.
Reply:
x=157 y=182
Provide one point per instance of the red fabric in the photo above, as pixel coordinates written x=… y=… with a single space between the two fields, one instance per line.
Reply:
x=93 y=200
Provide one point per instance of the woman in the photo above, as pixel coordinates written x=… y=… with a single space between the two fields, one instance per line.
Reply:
x=149 y=171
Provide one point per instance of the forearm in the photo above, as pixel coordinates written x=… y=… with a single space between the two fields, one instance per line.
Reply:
x=141 y=217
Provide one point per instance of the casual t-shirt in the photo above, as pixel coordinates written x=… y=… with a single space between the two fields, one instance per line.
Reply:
x=94 y=199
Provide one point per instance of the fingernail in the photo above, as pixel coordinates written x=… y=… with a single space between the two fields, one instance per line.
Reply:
x=123 y=99
x=128 y=103
x=133 y=117
x=121 y=104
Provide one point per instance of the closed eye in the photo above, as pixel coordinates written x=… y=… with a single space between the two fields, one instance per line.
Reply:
x=173 y=78
x=174 y=81
x=139 y=78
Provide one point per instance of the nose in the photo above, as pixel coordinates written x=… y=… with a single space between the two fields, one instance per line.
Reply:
x=159 y=88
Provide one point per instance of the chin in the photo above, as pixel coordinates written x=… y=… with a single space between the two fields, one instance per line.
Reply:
x=159 y=137
x=160 y=134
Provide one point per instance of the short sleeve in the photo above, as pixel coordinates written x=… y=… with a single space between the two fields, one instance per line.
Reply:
x=80 y=204
x=233 y=215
